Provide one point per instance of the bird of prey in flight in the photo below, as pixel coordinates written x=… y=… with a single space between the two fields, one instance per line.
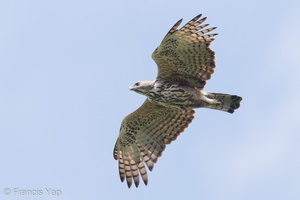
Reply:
x=185 y=62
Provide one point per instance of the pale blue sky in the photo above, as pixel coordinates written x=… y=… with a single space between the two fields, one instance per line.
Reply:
x=65 y=70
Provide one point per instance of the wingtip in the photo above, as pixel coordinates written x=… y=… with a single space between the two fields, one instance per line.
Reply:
x=129 y=183
x=177 y=23
x=136 y=184
x=198 y=16
x=122 y=177
x=146 y=182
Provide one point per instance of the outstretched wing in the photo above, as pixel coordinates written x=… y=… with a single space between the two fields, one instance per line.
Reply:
x=143 y=137
x=184 y=55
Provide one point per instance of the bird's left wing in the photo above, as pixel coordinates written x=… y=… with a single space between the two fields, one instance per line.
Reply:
x=184 y=55
x=143 y=137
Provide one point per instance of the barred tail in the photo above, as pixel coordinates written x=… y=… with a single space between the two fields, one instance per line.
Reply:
x=224 y=102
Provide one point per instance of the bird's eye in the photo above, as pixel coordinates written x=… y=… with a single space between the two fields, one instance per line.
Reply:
x=137 y=84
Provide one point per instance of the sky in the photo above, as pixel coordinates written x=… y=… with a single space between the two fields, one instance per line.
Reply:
x=65 y=72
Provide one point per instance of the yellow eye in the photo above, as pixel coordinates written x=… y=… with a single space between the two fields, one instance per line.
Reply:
x=137 y=84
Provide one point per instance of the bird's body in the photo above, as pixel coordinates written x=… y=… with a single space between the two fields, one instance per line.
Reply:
x=185 y=62
x=181 y=96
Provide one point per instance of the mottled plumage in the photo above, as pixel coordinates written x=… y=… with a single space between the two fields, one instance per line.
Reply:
x=185 y=62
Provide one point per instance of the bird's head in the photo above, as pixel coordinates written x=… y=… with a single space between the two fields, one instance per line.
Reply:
x=142 y=87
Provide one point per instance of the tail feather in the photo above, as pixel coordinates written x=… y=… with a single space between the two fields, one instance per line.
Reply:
x=224 y=102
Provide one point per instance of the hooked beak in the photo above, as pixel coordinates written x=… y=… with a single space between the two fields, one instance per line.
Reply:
x=131 y=88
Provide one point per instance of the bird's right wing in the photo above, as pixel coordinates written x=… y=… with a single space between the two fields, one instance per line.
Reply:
x=143 y=137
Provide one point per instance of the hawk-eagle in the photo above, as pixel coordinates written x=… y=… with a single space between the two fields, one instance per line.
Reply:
x=185 y=62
